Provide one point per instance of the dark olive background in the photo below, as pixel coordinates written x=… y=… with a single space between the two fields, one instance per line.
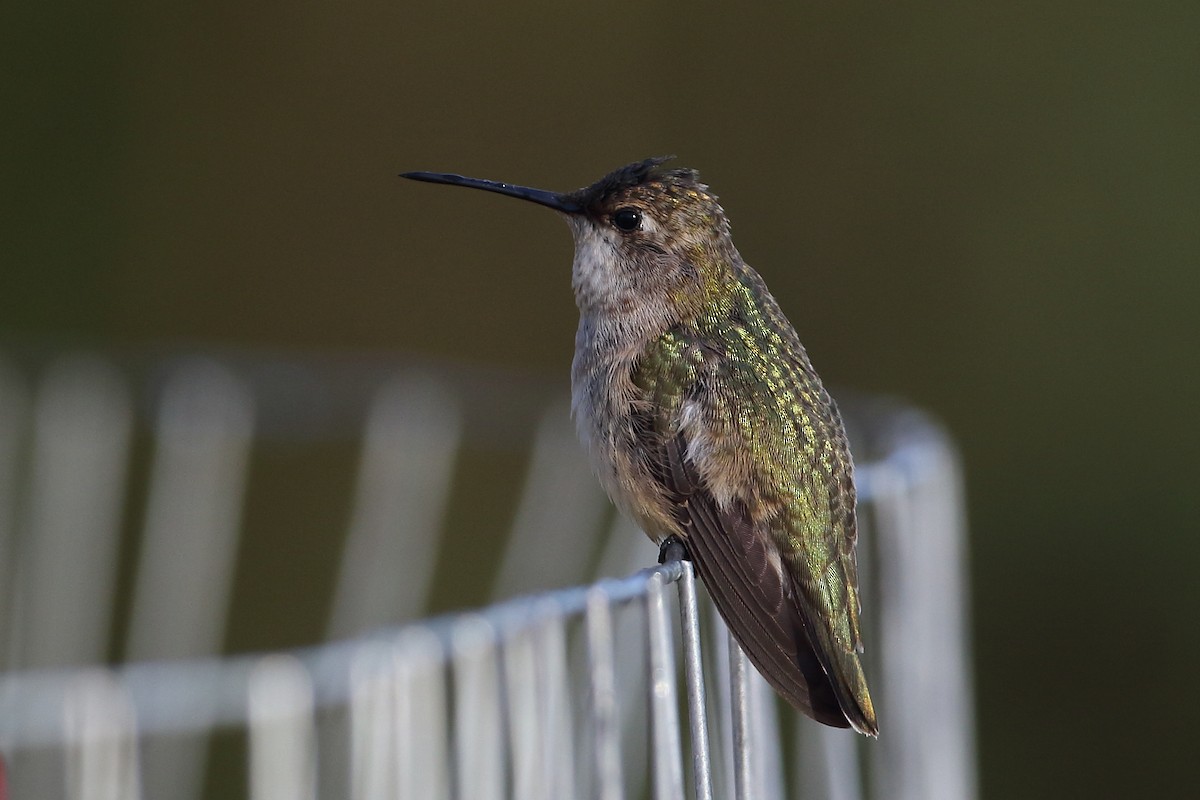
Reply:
x=990 y=209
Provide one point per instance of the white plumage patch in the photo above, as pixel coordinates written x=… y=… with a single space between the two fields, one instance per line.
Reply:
x=595 y=272
x=702 y=450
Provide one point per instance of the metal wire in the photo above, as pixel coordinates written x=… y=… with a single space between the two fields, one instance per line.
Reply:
x=739 y=683
x=693 y=671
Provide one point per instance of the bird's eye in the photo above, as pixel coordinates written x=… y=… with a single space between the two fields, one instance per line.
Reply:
x=627 y=219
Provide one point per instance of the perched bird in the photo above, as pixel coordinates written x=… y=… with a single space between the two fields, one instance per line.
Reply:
x=707 y=424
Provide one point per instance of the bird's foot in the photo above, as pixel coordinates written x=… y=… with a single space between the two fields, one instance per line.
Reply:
x=673 y=549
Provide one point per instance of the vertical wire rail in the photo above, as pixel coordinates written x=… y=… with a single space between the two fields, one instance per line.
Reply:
x=279 y=699
x=65 y=574
x=558 y=515
x=606 y=724
x=743 y=763
x=899 y=702
x=693 y=671
x=627 y=551
x=839 y=755
x=538 y=718
x=940 y=502
x=193 y=513
x=479 y=736
x=558 y=760
x=521 y=691
x=412 y=435
x=928 y=749
x=421 y=729
x=372 y=725
x=723 y=685
x=768 y=760
x=65 y=568
x=101 y=738
x=634 y=680
x=664 y=708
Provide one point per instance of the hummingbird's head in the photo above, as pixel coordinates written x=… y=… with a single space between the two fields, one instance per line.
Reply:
x=651 y=243
x=645 y=233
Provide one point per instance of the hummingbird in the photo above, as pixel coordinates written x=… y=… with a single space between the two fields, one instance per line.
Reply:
x=706 y=423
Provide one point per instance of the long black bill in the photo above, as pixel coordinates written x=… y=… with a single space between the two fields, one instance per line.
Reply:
x=559 y=202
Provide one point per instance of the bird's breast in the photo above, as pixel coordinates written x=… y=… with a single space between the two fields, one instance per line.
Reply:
x=603 y=397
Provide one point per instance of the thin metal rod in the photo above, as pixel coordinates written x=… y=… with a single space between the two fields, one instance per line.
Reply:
x=101 y=737
x=560 y=500
x=693 y=673
x=422 y=754
x=479 y=733
x=606 y=731
x=372 y=728
x=409 y=448
x=558 y=763
x=522 y=687
x=768 y=760
x=282 y=734
x=664 y=707
x=80 y=449
x=740 y=702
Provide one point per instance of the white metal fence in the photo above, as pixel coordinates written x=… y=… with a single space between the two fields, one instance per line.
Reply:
x=620 y=687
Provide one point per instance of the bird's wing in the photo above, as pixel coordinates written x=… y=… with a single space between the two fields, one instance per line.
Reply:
x=771 y=537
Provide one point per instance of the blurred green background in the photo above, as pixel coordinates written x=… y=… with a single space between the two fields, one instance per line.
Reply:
x=992 y=210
